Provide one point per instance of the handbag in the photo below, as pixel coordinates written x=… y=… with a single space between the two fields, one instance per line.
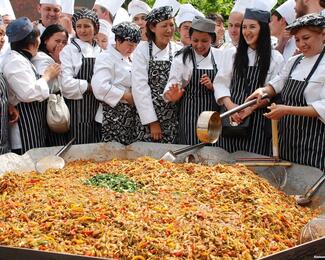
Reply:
x=228 y=130
x=58 y=114
x=242 y=130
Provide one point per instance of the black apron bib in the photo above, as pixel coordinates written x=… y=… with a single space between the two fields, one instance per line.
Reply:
x=196 y=99
x=4 y=119
x=32 y=122
x=167 y=113
x=83 y=111
x=301 y=139
x=257 y=142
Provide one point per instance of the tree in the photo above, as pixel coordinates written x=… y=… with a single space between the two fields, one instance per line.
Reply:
x=222 y=7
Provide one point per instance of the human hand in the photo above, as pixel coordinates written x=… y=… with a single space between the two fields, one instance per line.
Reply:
x=206 y=81
x=276 y=111
x=155 y=131
x=52 y=71
x=13 y=114
x=174 y=93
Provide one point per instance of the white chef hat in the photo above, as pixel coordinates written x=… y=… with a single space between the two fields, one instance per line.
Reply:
x=121 y=16
x=173 y=3
x=264 y=5
x=241 y=5
x=6 y=8
x=51 y=2
x=136 y=7
x=111 y=5
x=104 y=27
x=186 y=13
x=68 y=7
x=287 y=11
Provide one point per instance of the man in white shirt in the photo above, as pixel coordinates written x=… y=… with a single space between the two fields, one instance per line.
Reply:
x=307 y=7
x=50 y=11
x=281 y=17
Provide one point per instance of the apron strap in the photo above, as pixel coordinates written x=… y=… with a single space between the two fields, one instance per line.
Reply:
x=76 y=44
x=150 y=50
x=315 y=65
x=295 y=64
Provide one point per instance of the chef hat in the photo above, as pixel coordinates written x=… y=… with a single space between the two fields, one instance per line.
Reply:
x=314 y=19
x=186 y=13
x=111 y=5
x=136 y=7
x=264 y=5
x=6 y=8
x=203 y=24
x=68 y=7
x=104 y=27
x=173 y=3
x=160 y=14
x=257 y=14
x=18 y=29
x=287 y=11
x=241 y=5
x=128 y=31
x=51 y=2
x=85 y=13
x=121 y=16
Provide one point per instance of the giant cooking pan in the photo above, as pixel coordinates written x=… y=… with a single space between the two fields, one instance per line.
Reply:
x=299 y=179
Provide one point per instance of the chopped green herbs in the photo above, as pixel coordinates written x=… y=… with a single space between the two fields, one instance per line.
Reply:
x=115 y=182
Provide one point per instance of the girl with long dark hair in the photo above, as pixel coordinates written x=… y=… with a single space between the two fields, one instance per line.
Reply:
x=245 y=69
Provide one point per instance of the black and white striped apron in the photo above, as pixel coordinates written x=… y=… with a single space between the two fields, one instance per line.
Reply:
x=83 y=111
x=196 y=99
x=32 y=121
x=301 y=138
x=119 y=123
x=4 y=135
x=257 y=141
x=167 y=113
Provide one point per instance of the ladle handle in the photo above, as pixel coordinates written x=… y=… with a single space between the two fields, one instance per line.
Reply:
x=241 y=107
x=189 y=148
x=315 y=187
x=66 y=147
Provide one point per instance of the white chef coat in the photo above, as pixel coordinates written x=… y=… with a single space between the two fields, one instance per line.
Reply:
x=5 y=50
x=112 y=76
x=223 y=78
x=23 y=87
x=71 y=61
x=140 y=88
x=289 y=49
x=315 y=90
x=181 y=72
x=41 y=62
x=41 y=27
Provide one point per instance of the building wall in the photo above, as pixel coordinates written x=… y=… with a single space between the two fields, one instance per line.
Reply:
x=29 y=7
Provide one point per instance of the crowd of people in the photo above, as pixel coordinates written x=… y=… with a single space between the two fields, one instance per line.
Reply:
x=126 y=77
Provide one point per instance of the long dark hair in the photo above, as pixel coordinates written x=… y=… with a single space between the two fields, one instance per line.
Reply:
x=187 y=51
x=48 y=33
x=263 y=54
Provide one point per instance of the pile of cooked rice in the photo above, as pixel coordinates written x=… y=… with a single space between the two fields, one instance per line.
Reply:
x=184 y=211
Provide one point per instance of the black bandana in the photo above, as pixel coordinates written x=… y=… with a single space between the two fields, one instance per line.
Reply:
x=258 y=15
x=160 y=14
x=128 y=31
x=315 y=19
x=85 y=13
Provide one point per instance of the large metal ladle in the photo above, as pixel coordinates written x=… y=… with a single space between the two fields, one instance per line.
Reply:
x=53 y=161
x=208 y=129
x=209 y=124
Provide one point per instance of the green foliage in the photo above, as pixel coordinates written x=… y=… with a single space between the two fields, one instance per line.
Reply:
x=222 y=7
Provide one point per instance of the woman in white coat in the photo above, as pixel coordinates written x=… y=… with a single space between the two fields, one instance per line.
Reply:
x=244 y=70
x=190 y=81
x=302 y=87
x=150 y=71
x=27 y=90
x=77 y=63
x=111 y=84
